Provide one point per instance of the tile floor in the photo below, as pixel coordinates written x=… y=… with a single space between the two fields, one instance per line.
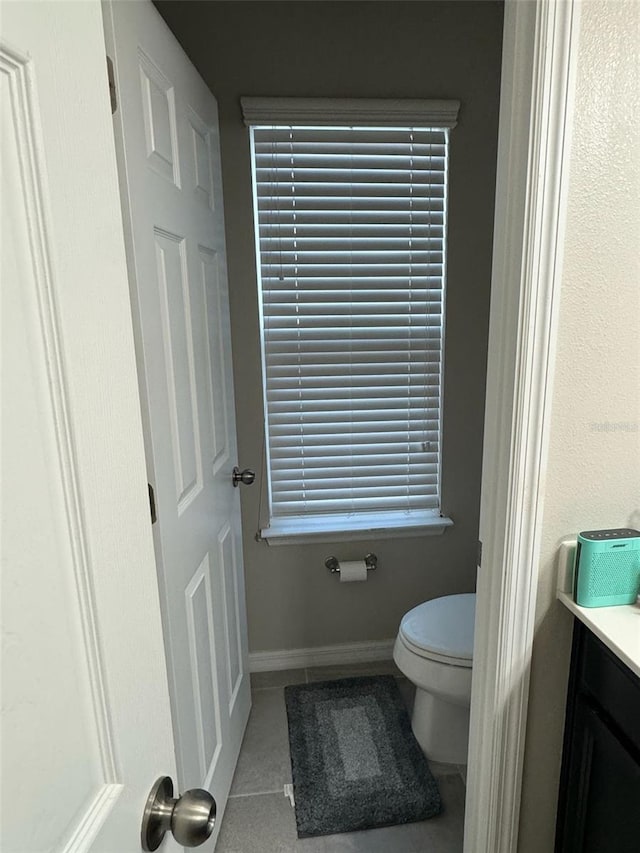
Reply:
x=260 y=819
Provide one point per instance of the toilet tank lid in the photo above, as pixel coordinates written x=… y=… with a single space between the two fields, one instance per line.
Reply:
x=443 y=625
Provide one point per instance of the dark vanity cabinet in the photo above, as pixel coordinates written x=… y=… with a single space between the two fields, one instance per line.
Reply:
x=599 y=800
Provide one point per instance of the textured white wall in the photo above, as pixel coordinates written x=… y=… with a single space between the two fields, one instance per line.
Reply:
x=593 y=474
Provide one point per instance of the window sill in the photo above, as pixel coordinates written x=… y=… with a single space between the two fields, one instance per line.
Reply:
x=300 y=530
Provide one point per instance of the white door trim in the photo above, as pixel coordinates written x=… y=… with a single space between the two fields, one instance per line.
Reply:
x=539 y=57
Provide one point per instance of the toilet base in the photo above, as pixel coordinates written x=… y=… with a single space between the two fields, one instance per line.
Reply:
x=441 y=729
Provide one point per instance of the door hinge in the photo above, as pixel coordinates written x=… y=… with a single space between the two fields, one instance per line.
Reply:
x=479 y=562
x=152 y=504
x=113 y=95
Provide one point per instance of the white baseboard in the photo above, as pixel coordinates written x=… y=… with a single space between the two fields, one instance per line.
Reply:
x=321 y=656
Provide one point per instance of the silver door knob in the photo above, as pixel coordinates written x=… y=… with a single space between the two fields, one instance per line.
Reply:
x=191 y=817
x=246 y=477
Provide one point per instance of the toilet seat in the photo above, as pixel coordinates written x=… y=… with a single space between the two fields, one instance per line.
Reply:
x=442 y=629
x=428 y=654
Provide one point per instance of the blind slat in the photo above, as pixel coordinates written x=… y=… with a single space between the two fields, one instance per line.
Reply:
x=404 y=502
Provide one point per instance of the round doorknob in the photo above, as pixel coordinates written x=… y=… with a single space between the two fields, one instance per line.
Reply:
x=190 y=818
x=246 y=477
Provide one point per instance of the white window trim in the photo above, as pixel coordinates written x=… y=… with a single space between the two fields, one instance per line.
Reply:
x=352 y=112
x=341 y=527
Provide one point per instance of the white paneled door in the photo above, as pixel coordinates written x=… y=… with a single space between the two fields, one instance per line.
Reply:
x=86 y=725
x=169 y=157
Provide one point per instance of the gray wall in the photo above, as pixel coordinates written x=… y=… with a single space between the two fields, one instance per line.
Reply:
x=359 y=49
x=593 y=469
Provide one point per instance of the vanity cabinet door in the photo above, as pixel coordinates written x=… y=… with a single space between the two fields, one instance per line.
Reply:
x=599 y=802
x=603 y=789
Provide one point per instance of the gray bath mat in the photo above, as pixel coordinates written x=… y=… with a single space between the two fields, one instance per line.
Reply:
x=355 y=761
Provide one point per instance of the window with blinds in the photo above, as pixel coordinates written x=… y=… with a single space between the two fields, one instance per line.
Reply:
x=351 y=239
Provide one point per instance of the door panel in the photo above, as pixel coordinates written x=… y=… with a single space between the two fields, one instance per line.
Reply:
x=204 y=669
x=45 y=576
x=199 y=160
x=168 y=143
x=214 y=313
x=159 y=113
x=174 y=298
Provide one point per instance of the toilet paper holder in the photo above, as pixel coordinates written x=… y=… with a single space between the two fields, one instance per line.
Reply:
x=333 y=564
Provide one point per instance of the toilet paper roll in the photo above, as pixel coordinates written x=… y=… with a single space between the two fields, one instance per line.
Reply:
x=353 y=570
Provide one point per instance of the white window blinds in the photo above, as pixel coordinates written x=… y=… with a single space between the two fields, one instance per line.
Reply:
x=350 y=227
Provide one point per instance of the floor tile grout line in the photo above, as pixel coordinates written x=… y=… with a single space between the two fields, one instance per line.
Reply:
x=271 y=687
x=260 y=793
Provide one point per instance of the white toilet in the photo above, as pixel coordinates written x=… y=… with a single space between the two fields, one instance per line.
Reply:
x=434 y=649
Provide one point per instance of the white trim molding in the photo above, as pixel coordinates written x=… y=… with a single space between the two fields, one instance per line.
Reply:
x=94 y=818
x=539 y=55
x=338 y=527
x=339 y=655
x=351 y=112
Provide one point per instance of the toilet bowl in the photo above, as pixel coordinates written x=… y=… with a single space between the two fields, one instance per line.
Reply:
x=434 y=649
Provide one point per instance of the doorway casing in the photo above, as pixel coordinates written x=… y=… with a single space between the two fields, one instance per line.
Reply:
x=538 y=67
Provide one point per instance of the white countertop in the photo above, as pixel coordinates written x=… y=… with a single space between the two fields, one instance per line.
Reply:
x=618 y=627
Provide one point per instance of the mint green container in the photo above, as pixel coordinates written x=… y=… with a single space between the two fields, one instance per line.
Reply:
x=607 y=569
